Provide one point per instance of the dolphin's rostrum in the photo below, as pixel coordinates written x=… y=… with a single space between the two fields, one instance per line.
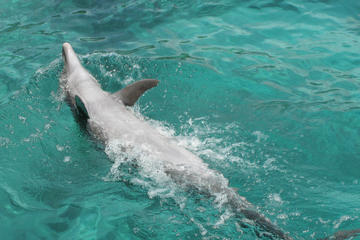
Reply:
x=109 y=119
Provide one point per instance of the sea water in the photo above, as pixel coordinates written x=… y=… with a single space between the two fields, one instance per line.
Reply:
x=266 y=92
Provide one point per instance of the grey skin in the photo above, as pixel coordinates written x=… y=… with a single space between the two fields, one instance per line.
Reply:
x=342 y=235
x=108 y=119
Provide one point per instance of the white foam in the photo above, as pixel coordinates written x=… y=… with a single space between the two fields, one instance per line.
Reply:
x=151 y=170
x=341 y=220
x=275 y=197
x=128 y=80
x=4 y=142
x=223 y=217
x=260 y=136
x=49 y=67
x=22 y=118
x=282 y=216
x=203 y=231
x=59 y=148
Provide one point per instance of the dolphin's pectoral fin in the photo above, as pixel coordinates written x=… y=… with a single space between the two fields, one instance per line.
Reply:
x=130 y=94
x=80 y=107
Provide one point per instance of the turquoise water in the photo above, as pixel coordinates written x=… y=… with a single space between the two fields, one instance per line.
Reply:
x=265 y=92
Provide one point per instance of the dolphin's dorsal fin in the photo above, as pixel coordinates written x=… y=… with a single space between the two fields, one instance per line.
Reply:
x=131 y=93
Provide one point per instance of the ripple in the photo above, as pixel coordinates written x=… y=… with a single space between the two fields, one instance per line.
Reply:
x=182 y=56
x=92 y=39
x=277 y=4
x=237 y=51
x=79 y=12
x=134 y=50
x=18 y=26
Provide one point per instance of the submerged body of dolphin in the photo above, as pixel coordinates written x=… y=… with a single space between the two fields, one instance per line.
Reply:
x=109 y=119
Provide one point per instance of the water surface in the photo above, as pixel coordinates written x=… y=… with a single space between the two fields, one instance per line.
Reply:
x=265 y=92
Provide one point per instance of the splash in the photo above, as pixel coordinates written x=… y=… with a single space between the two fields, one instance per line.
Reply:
x=139 y=166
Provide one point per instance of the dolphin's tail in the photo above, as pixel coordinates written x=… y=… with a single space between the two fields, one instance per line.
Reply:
x=243 y=209
x=268 y=226
x=345 y=234
x=265 y=224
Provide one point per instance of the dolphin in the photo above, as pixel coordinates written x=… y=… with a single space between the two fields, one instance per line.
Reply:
x=109 y=119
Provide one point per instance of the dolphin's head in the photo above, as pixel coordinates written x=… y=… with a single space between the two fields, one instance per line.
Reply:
x=71 y=61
